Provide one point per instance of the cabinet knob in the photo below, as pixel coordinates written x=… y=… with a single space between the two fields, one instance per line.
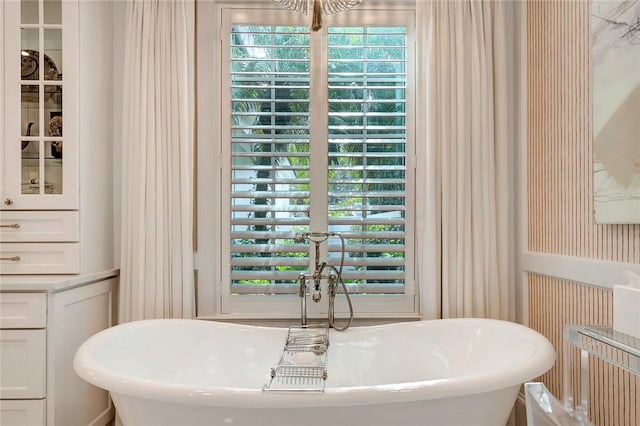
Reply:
x=8 y=201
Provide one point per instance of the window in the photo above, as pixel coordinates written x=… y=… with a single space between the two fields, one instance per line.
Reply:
x=316 y=133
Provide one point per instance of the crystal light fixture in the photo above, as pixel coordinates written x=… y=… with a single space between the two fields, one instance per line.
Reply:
x=327 y=7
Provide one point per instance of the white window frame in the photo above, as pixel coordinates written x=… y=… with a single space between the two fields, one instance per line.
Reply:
x=213 y=296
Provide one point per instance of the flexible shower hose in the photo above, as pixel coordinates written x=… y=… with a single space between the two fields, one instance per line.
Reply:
x=332 y=295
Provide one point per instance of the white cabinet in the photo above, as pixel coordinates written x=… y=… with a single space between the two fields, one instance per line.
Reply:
x=43 y=321
x=56 y=167
x=23 y=364
x=22 y=412
x=40 y=258
x=40 y=163
x=23 y=345
x=40 y=226
x=23 y=310
x=57 y=282
x=39 y=191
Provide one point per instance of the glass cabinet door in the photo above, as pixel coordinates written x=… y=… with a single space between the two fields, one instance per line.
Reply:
x=40 y=140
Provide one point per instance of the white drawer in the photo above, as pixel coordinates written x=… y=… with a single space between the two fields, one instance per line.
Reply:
x=23 y=363
x=23 y=310
x=37 y=226
x=40 y=258
x=17 y=412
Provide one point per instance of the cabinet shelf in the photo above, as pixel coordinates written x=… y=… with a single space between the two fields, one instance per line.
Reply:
x=48 y=162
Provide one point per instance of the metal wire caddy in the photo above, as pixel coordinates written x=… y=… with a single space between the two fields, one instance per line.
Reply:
x=303 y=363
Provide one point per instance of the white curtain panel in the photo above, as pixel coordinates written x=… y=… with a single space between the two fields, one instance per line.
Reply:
x=156 y=278
x=465 y=237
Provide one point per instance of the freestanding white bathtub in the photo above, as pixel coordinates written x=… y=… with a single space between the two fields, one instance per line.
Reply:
x=464 y=372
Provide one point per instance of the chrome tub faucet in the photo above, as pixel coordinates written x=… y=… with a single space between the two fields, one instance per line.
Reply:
x=318 y=275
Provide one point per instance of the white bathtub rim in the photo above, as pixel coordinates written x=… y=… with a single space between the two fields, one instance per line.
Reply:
x=116 y=382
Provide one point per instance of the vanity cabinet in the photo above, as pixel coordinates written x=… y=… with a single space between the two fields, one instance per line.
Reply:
x=43 y=321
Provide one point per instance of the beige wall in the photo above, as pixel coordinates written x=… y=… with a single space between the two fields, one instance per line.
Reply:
x=560 y=202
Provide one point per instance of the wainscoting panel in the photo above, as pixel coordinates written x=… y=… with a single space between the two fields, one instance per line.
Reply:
x=613 y=393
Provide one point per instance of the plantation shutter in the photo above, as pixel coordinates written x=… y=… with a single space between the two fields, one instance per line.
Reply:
x=366 y=145
x=269 y=156
x=367 y=153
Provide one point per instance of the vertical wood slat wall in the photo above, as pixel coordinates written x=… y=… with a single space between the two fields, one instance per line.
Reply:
x=560 y=197
x=559 y=151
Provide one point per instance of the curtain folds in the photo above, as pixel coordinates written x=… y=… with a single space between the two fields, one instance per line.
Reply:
x=156 y=278
x=465 y=238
